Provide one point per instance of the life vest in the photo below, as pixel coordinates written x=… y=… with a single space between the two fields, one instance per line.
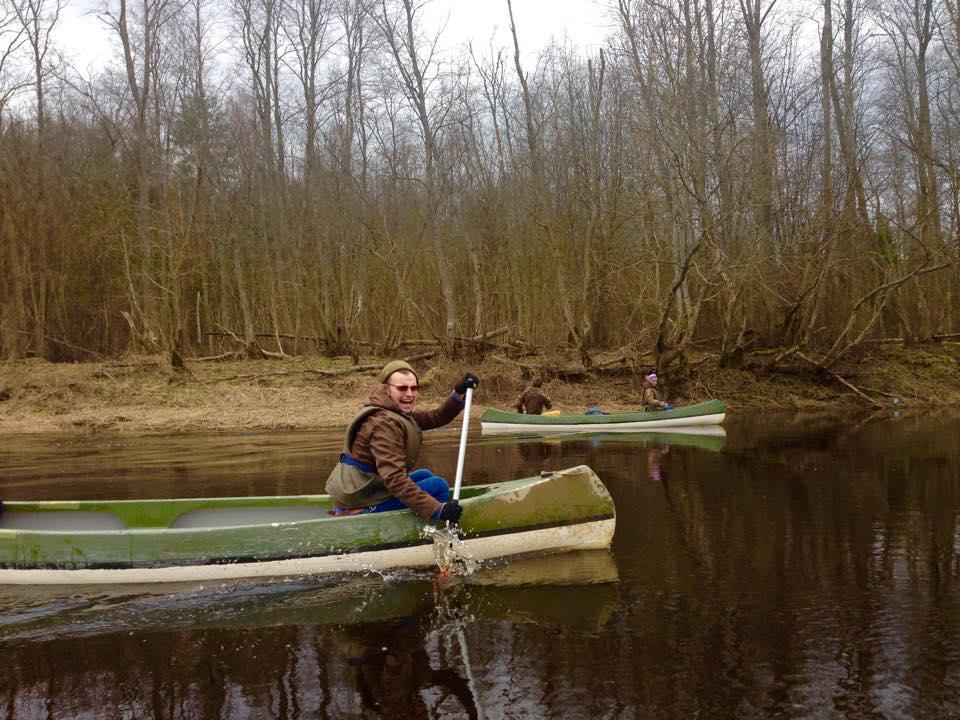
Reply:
x=650 y=398
x=353 y=483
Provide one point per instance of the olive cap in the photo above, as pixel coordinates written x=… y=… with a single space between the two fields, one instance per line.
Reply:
x=391 y=367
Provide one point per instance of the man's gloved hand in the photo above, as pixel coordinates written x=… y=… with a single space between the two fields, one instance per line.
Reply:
x=469 y=381
x=451 y=511
x=667 y=406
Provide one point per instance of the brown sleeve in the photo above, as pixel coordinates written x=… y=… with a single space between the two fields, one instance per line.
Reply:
x=430 y=419
x=547 y=402
x=387 y=442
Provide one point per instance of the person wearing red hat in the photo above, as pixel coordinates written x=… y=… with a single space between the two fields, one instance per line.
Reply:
x=375 y=471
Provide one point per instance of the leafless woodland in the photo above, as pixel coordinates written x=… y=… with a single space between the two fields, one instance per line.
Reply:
x=284 y=176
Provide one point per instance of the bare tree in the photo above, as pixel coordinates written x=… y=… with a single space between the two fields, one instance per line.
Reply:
x=305 y=24
x=140 y=38
x=419 y=75
x=38 y=20
x=909 y=25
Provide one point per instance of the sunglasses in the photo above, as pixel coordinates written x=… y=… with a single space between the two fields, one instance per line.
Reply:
x=404 y=388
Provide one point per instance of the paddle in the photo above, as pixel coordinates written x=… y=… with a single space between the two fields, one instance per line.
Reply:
x=446 y=541
x=463 y=443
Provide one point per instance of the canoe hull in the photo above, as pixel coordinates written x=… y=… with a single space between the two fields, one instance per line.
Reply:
x=705 y=414
x=187 y=541
x=583 y=536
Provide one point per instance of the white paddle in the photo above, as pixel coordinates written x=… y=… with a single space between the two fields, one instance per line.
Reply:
x=463 y=443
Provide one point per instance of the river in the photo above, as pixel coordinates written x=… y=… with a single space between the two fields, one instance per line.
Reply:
x=799 y=566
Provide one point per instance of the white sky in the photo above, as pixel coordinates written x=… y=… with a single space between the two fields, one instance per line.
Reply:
x=582 y=22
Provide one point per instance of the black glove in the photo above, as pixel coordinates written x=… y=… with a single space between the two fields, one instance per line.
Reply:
x=451 y=511
x=469 y=381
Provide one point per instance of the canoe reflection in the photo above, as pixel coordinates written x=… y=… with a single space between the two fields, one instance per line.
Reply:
x=710 y=437
x=539 y=589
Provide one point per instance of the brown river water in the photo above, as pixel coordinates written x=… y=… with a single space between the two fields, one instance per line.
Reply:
x=797 y=567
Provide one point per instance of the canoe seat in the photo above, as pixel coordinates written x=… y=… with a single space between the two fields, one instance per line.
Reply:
x=61 y=520
x=230 y=517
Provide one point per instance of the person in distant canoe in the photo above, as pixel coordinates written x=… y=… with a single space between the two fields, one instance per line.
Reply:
x=381 y=446
x=534 y=400
x=651 y=399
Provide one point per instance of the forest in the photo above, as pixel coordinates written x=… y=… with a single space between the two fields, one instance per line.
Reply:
x=275 y=177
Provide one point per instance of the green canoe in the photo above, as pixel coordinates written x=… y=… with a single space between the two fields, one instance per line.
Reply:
x=145 y=541
x=702 y=414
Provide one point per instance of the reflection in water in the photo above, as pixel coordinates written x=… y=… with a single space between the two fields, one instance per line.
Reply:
x=392 y=644
x=808 y=567
x=393 y=670
x=510 y=588
x=81 y=468
x=654 y=458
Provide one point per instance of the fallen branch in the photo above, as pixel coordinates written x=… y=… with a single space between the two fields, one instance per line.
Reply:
x=364 y=368
x=286 y=336
x=232 y=334
x=270 y=355
x=422 y=342
x=476 y=339
x=251 y=376
x=231 y=355
x=94 y=353
x=533 y=369
x=879 y=392
x=343 y=371
x=135 y=366
x=539 y=370
x=839 y=379
x=895 y=340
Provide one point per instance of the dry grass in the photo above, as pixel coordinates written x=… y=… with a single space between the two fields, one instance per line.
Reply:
x=143 y=394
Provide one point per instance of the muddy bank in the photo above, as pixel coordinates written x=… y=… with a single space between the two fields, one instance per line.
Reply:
x=144 y=394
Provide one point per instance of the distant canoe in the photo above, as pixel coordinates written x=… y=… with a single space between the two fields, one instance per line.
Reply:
x=701 y=414
x=147 y=541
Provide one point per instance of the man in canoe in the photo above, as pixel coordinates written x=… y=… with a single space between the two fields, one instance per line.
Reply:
x=381 y=447
x=651 y=400
x=534 y=400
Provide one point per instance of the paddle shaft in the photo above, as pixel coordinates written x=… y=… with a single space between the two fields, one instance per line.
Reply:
x=468 y=400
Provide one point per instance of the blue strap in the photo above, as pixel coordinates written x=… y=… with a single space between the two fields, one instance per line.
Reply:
x=350 y=460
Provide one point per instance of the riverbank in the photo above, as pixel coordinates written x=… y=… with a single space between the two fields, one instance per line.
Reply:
x=143 y=394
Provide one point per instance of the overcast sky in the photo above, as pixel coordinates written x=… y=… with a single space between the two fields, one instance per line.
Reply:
x=582 y=22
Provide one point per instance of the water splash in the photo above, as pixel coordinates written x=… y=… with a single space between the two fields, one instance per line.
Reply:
x=450 y=551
